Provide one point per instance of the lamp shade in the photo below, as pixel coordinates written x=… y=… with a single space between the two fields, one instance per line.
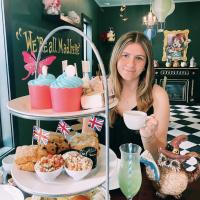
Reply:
x=162 y=8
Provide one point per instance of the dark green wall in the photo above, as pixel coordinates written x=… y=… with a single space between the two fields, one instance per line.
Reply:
x=185 y=16
x=23 y=16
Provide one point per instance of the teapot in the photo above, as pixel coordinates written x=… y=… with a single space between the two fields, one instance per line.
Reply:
x=183 y=64
x=173 y=177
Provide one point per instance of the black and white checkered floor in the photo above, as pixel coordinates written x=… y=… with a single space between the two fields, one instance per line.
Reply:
x=186 y=120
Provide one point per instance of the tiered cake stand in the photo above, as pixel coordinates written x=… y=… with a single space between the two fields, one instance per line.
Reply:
x=107 y=161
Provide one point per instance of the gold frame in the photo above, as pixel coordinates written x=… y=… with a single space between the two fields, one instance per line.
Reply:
x=170 y=48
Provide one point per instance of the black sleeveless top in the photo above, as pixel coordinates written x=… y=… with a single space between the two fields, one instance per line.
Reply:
x=120 y=134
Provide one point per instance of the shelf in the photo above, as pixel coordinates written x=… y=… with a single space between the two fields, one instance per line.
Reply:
x=21 y=107
x=60 y=20
x=64 y=185
x=67 y=19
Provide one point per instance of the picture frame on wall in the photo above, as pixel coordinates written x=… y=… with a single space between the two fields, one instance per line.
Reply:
x=175 y=45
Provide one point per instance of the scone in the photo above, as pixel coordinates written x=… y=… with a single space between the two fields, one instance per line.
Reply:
x=83 y=140
x=26 y=156
x=57 y=143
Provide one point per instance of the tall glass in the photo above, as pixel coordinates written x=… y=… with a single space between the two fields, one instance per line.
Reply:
x=130 y=177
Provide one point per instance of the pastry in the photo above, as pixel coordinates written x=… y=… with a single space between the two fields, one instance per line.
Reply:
x=26 y=156
x=56 y=143
x=66 y=93
x=80 y=141
x=93 y=96
x=39 y=91
x=79 y=197
x=92 y=100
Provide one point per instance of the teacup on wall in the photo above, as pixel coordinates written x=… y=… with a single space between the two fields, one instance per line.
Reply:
x=134 y=119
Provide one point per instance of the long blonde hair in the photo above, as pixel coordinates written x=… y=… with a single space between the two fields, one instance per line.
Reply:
x=144 y=91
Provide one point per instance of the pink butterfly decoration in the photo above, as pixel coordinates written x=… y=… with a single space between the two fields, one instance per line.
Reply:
x=30 y=60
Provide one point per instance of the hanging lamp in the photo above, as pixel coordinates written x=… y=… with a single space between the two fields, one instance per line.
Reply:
x=150 y=19
x=162 y=9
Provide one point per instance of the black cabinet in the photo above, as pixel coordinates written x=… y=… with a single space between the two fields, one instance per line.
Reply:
x=181 y=84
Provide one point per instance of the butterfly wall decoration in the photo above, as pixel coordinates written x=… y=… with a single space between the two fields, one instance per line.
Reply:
x=30 y=66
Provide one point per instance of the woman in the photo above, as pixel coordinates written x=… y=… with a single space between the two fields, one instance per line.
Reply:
x=132 y=75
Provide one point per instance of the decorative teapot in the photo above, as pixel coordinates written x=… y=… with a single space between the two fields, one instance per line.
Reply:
x=173 y=177
x=168 y=61
x=183 y=64
x=176 y=63
x=192 y=62
x=155 y=63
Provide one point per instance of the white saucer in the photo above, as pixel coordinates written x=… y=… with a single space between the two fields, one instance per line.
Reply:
x=9 y=192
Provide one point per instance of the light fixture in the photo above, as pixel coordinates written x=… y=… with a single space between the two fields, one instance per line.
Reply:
x=150 y=19
x=162 y=9
x=123 y=12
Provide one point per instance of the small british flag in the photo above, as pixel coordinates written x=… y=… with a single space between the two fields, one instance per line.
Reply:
x=64 y=128
x=95 y=123
x=40 y=135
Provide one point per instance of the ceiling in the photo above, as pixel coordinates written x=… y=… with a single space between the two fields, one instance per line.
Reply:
x=110 y=3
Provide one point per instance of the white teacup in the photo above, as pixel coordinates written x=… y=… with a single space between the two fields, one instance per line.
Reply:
x=134 y=119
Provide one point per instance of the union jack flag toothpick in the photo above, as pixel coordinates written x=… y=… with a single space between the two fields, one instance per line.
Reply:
x=64 y=128
x=40 y=135
x=95 y=123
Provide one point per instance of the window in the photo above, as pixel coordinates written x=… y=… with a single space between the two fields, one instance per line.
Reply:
x=87 y=50
x=6 y=129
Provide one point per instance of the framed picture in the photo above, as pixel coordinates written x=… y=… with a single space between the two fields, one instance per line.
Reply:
x=175 y=45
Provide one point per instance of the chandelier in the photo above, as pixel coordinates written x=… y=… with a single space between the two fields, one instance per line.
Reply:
x=150 y=19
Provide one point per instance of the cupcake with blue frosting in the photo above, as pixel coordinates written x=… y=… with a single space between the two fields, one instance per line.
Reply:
x=66 y=91
x=39 y=90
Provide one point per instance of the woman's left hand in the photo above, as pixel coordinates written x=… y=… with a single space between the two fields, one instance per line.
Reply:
x=150 y=127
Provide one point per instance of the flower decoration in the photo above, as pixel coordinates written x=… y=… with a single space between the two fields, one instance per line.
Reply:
x=108 y=36
x=52 y=7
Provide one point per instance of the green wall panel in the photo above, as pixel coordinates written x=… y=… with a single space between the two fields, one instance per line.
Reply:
x=27 y=19
x=185 y=16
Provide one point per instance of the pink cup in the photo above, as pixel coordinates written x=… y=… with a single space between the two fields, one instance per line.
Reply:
x=40 y=96
x=66 y=99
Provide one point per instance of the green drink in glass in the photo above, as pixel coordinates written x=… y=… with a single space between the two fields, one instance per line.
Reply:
x=130 y=176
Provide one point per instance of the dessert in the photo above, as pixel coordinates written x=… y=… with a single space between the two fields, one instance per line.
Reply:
x=79 y=197
x=76 y=165
x=93 y=96
x=26 y=156
x=66 y=92
x=80 y=141
x=49 y=167
x=50 y=163
x=57 y=143
x=76 y=162
x=39 y=90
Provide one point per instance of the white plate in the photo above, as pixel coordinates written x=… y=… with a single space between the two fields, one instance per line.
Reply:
x=113 y=180
x=21 y=107
x=8 y=192
x=64 y=185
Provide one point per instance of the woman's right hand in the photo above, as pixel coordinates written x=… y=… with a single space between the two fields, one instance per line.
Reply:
x=150 y=128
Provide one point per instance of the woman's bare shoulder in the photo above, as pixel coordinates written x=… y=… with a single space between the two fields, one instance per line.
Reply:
x=158 y=90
